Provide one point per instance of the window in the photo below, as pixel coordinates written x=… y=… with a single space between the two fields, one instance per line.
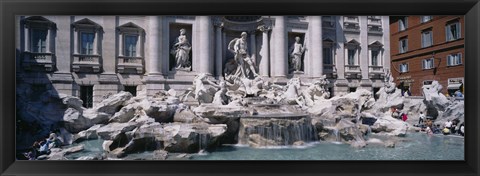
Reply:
x=375 y=57
x=428 y=63
x=131 y=89
x=131 y=45
x=39 y=41
x=351 y=56
x=87 y=35
x=426 y=19
x=403 y=45
x=402 y=23
x=454 y=59
x=130 y=48
x=87 y=46
x=352 y=89
x=453 y=31
x=327 y=56
x=86 y=95
x=87 y=40
x=403 y=68
x=427 y=39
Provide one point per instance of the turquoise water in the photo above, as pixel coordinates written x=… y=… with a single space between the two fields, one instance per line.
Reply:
x=416 y=146
x=91 y=148
x=413 y=147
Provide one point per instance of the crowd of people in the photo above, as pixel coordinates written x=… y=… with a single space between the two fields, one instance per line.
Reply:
x=450 y=127
x=42 y=147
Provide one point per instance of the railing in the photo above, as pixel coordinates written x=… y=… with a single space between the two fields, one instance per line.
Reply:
x=374 y=21
x=128 y=62
x=375 y=29
x=351 y=27
x=375 y=69
x=352 y=69
x=44 y=61
x=38 y=57
x=86 y=61
x=350 y=19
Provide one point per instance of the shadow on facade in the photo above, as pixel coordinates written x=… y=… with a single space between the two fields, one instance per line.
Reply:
x=39 y=108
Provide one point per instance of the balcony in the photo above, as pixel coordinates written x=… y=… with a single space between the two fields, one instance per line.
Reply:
x=86 y=63
x=376 y=30
x=127 y=64
x=374 y=21
x=351 y=27
x=38 y=61
x=350 y=19
x=375 y=72
x=330 y=70
x=353 y=71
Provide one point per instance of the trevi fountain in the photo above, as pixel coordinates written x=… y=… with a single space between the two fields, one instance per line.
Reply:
x=243 y=116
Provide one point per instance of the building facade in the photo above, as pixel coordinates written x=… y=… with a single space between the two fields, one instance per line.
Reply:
x=94 y=56
x=427 y=48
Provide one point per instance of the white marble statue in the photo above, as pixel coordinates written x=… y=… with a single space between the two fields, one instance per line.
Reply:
x=293 y=95
x=245 y=65
x=199 y=89
x=316 y=91
x=181 y=49
x=389 y=84
x=296 y=52
x=220 y=97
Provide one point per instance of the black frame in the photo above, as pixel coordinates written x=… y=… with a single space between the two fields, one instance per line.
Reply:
x=10 y=8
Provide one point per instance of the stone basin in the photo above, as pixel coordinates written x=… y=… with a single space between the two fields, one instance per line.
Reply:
x=288 y=116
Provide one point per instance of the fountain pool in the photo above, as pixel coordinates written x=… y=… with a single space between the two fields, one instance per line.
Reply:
x=415 y=146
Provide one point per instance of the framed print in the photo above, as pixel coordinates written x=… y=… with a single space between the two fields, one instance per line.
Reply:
x=276 y=88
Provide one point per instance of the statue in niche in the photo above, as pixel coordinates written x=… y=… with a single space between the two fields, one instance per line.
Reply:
x=245 y=65
x=296 y=52
x=181 y=50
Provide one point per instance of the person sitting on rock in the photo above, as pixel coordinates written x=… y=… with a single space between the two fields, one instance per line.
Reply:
x=421 y=118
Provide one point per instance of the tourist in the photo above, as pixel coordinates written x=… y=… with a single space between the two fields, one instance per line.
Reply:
x=458 y=93
x=44 y=147
x=448 y=124
x=421 y=118
x=446 y=131
x=404 y=117
x=461 y=131
x=429 y=131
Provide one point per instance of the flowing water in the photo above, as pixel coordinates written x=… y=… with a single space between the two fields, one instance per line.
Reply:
x=415 y=146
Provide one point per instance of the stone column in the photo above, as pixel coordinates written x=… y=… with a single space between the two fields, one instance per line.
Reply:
x=96 y=42
x=386 y=42
x=63 y=51
x=49 y=36
x=154 y=45
x=26 y=31
x=317 y=47
x=76 y=44
x=218 y=48
x=120 y=44
x=205 y=54
x=108 y=47
x=253 y=46
x=340 y=51
x=363 y=55
x=264 y=64
x=279 y=62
